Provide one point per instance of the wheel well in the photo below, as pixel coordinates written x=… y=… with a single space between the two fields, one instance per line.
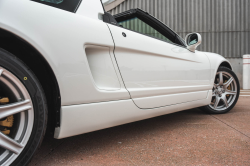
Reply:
x=40 y=67
x=226 y=64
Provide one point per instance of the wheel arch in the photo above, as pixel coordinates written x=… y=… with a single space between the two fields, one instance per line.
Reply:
x=42 y=70
x=226 y=64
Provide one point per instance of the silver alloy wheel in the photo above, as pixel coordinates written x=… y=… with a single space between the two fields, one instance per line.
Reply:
x=224 y=91
x=21 y=107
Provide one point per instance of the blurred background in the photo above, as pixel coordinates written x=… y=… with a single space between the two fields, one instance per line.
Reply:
x=223 y=24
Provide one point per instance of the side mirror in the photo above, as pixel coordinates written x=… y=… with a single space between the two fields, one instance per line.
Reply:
x=193 y=40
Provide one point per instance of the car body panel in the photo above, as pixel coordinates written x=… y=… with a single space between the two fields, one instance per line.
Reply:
x=151 y=67
x=116 y=113
x=92 y=10
x=102 y=67
x=215 y=62
x=61 y=36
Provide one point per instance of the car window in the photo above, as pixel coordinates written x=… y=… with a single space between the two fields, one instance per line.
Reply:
x=144 y=23
x=68 y=5
x=135 y=24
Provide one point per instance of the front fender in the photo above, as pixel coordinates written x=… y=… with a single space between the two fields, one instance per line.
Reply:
x=215 y=62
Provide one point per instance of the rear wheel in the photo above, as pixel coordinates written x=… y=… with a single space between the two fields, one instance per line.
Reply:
x=23 y=111
x=225 y=92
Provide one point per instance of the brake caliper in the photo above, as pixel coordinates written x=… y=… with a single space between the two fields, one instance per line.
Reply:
x=229 y=87
x=6 y=123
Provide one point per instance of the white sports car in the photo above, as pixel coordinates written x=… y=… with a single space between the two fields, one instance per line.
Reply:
x=69 y=67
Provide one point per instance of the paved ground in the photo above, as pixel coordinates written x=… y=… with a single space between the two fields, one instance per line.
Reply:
x=186 y=138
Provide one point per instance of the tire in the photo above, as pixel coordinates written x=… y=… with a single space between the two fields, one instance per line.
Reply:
x=26 y=111
x=225 y=91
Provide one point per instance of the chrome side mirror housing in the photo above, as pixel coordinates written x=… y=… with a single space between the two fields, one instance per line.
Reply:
x=193 y=40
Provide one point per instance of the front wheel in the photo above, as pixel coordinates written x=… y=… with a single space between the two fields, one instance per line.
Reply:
x=225 y=92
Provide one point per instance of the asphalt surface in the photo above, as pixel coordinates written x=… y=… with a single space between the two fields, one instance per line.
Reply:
x=190 y=137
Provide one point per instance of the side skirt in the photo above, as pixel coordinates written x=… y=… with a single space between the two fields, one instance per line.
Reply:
x=79 y=119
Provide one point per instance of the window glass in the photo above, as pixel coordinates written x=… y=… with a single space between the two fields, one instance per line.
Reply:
x=68 y=5
x=137 y=25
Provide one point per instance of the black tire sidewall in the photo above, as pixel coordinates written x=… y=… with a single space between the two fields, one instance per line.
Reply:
x=21 y=71
x=212 y=111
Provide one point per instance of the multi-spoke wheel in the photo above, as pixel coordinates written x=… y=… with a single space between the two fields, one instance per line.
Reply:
x=23 y=112
x=225 y=91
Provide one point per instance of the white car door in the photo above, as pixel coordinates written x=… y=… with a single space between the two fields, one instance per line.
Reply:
x=158 y=73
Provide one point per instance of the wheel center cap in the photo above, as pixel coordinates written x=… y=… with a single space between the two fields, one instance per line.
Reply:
x=219 y=90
